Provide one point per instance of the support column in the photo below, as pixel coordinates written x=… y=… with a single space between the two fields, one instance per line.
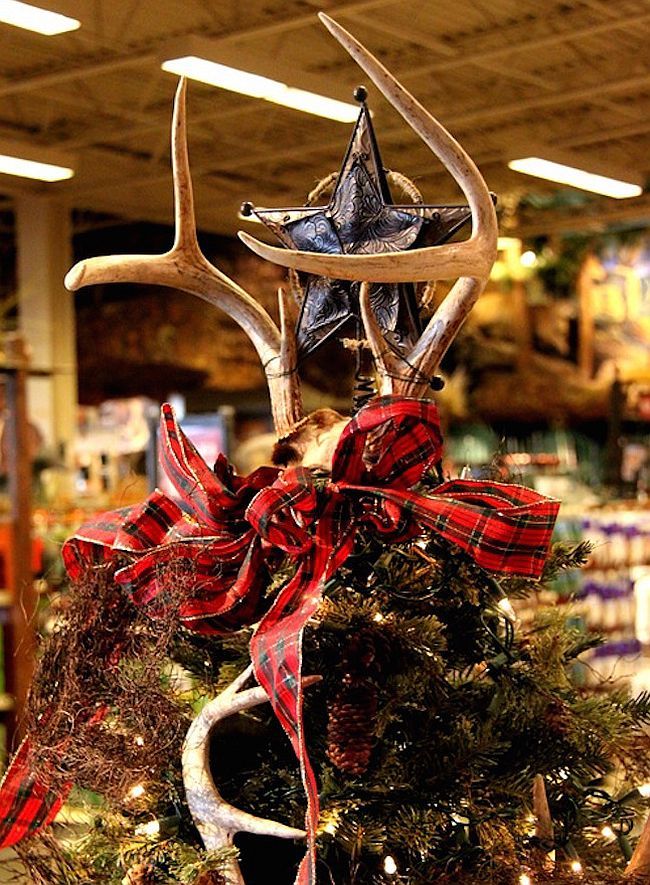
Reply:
x=47 y=318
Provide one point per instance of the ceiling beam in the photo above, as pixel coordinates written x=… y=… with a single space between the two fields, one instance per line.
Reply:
x=459 y=56
x=73 y=71
x=559 y=97
x=69 y=71
x=454 y=57
x=248 y=159
x=595 y=219
x=600 y=136
x=468 y=55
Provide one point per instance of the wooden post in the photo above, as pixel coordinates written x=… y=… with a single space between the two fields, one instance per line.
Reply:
x=522 y=325
x=21 y=646
x=586 y=316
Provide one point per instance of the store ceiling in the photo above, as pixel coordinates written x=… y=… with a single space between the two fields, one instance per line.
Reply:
x=564 y=80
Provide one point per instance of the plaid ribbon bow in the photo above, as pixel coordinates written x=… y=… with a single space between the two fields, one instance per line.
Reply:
x=232 y=529
x=504 y=528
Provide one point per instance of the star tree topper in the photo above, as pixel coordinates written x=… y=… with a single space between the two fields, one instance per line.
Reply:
x=360 y=218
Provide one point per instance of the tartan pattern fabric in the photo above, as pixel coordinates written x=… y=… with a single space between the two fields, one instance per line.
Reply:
x=207 y=541
x=504 y=528
x=27 y=804
x=230 y=531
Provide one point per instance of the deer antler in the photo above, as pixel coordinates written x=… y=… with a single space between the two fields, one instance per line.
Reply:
x=470 y=261
x=185 y=267
x=216 y=820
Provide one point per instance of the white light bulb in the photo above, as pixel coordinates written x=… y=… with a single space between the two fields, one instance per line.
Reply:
x=506 y=607
x=576 y=867
x=607 y=832
x=137 y=791
x=528 y=258
x=139 y=740
x=151 y=829
x=390 y=867
x=525 y=879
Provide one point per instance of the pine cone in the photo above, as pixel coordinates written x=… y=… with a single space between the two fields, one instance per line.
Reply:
x=140 y=874
x=351 y=725
x=360 y=655
x=557 y=717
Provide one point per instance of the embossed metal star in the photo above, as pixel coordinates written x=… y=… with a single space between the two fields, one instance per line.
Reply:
x=360 y=218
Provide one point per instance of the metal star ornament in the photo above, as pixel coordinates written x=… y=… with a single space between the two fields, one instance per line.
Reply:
x=360 y=218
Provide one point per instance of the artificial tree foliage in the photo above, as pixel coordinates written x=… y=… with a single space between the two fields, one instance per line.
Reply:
x=469 y=707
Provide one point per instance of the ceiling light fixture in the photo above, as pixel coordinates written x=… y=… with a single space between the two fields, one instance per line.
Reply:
x=587 y=181
x=253 y=85
x=33 y=18
x=32 y=169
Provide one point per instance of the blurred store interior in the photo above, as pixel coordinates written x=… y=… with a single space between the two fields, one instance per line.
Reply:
x=548 y=381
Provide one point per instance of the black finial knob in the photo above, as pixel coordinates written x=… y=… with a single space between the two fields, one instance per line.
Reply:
x=437 y=383
x=246 y=209
x=360 y=94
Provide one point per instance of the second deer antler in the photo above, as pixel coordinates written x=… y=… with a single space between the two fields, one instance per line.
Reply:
x=185 y=267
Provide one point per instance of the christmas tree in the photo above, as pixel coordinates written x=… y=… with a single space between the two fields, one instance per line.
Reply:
x=348 y=597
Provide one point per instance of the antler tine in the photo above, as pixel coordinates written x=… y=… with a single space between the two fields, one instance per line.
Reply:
x=216 y=820
x=541 y=810
x=185 y=238
x=638 y=869
x=473 y=257
x=283 y=373
x=410 y=374
x=185 y=267
x=386 y=361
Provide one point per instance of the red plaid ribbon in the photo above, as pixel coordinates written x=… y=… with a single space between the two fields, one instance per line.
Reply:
x=505 y=528
x=232 y=528
x=27 y=803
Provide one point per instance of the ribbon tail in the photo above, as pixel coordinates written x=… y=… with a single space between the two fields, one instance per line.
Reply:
x=276 y=652
x=27 y=802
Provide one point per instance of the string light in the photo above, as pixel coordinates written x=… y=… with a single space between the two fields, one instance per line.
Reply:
x=576 y=867
x=378 y=618
x=607 y=832
x=528 y=258
x=644 y=790
x=151 y=829
x=390 y=867
x=139 y=740
x=137 y=791
x=507 y=608
x=525 y=879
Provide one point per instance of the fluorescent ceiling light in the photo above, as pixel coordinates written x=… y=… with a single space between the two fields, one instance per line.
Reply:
x=32 y=169
x=587 y=181
x=33 y=18
x=260 y=87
